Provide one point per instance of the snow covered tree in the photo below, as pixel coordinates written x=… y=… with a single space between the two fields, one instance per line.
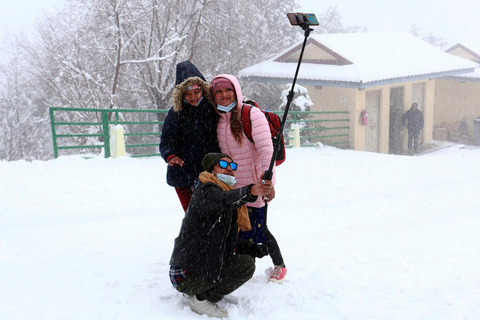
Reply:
x=23 y=117
x=430 y=38
x=243 y=33
x=331 y=22
x=100 y=54
x=301 y=102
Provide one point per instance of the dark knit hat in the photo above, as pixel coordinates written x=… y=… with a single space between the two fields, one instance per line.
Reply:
x=220 y=83
x=211 y=159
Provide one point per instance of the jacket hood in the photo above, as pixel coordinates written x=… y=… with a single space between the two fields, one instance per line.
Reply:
x=185 y=70
x=180 y=89
x=236 y=85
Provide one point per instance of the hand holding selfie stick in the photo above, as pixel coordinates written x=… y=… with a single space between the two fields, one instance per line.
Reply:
x=304 y=20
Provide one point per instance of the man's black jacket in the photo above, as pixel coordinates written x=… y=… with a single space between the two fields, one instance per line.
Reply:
x=208 y=235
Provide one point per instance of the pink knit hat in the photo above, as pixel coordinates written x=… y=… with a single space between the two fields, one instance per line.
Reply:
x=220 y=83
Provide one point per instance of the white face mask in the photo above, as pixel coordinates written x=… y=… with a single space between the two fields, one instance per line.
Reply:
x=228 y=179
x=227 y=108
x=197 y=103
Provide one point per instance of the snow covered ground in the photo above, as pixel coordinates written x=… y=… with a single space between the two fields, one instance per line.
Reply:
x=364 y=236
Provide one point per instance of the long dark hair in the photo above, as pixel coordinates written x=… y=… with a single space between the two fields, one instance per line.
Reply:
x=236 y=125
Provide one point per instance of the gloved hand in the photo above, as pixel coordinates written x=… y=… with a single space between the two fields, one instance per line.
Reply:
x=259 y=250
x=254 y=250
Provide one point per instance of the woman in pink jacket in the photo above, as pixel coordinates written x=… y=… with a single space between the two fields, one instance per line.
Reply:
x=253 y=159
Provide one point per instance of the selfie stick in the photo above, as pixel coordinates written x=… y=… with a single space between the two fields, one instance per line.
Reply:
x=276 y=145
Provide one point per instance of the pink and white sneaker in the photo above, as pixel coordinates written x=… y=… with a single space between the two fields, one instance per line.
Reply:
x=278 y=274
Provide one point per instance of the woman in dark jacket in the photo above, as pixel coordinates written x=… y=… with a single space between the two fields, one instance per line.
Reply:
x=189 y=130
x=206 y=262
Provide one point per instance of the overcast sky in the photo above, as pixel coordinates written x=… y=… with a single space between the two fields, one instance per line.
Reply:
x=17 y=15
x=454 y=21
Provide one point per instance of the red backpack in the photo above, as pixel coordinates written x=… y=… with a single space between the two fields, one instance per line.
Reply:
x=274 y=123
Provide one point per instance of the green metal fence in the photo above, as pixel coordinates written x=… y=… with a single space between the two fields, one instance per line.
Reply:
x=86 y=129
x=330 y=128
x=105 y=118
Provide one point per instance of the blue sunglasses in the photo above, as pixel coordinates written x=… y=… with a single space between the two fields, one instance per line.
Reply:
x=224 y=164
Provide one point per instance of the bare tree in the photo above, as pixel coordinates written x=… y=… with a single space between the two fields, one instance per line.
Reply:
x=331 y=22
x=22 y=115
x=430 y=38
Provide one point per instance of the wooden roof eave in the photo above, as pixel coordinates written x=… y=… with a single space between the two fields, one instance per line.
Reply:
x=467 y=50
x=286 y=57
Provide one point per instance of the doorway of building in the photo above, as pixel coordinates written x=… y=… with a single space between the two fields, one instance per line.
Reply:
x=395 y=125
x=372 y=131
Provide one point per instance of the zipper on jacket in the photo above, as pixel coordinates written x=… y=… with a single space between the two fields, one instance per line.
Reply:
x=224 y=244
x=219 y=219
x=239 y=201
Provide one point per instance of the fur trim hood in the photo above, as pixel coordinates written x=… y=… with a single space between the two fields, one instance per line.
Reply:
x=180 y=89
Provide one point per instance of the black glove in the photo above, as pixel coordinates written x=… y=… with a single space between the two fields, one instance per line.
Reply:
x=259 y=250
x=254 y=250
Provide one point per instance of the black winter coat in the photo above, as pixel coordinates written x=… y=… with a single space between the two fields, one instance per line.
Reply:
x=188 y=134
x=208 y=236
x=413 y=119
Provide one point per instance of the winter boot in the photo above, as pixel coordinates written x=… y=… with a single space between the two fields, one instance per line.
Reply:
x=211 y=309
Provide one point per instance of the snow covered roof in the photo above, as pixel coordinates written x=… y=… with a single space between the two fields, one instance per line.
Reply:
x=359 y=60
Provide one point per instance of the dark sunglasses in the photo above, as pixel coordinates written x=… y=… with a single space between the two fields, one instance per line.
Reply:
x=224 y=164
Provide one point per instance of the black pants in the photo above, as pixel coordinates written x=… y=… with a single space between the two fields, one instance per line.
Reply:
x=241 y=270
x=413 y=135
x=261 y=234
x=274 y=249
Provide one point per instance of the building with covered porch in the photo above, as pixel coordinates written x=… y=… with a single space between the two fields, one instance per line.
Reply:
x=376 y=76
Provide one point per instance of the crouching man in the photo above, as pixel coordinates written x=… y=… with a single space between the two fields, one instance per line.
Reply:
x=205 y=263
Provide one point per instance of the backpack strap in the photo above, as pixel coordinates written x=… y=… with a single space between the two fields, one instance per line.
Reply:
x=247 y=120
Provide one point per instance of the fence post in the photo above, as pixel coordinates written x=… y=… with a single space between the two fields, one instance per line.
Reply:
x=296 y=135
x=54 y=133
x=106 y=134
x=117 y=141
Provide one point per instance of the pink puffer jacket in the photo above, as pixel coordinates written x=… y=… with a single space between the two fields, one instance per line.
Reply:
x=253 y=159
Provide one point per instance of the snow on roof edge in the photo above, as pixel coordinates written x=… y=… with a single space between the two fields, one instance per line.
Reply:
x=406 y=56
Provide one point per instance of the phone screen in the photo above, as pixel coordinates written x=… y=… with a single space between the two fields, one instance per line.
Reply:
x=312 y=19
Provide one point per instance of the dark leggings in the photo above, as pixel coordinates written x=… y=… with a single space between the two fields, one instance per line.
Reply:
x=274 y=249
x=261 y=234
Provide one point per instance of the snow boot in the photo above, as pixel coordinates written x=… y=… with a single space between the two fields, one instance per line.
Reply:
x=211 y=309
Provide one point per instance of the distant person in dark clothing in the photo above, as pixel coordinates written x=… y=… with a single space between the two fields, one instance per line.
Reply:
x=413 y=120
x=208 y=260
x=189 y=131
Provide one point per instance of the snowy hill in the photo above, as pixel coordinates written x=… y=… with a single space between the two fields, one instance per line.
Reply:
x=364 y=236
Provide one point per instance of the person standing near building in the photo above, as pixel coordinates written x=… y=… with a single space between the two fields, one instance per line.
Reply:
x=413 y=120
